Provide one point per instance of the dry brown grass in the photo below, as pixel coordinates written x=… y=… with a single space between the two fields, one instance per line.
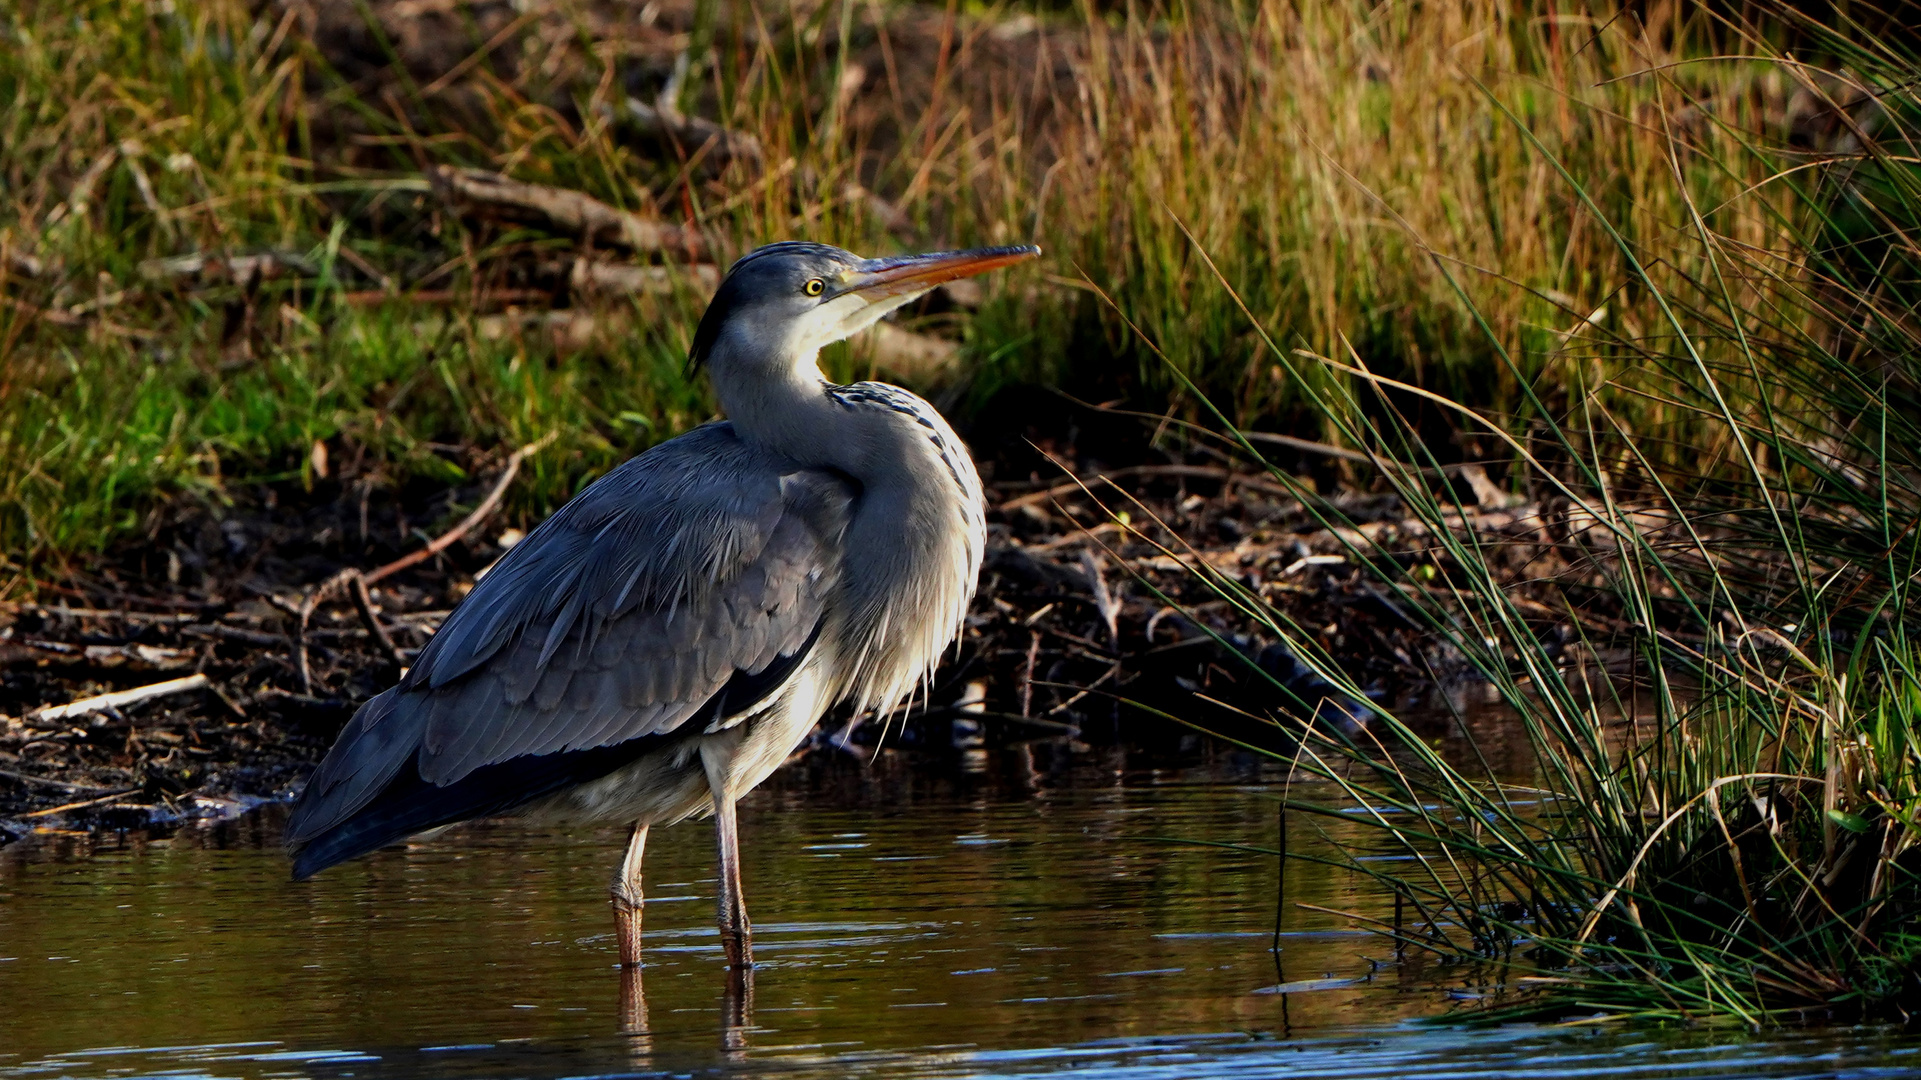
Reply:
x=1333 y=158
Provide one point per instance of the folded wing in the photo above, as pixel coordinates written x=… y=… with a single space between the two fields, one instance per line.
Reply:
x=672 y=594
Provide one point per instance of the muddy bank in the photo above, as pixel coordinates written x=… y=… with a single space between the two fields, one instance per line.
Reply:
x=240 y=610
x=1089 y=604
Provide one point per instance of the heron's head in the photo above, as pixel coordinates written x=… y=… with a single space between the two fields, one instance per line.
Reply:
x=781 y=303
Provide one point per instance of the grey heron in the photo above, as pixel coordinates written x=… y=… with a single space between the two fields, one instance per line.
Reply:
x=665 y=640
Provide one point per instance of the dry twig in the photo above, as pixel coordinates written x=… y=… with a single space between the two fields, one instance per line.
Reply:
x=103 y=702
x=589 y=276
x=567 y=210
x=240 y=269
x=693 y=133
x=28 y=778
x=115 y=796
x=66 y=612
x=357 y=586
x=1198 y=472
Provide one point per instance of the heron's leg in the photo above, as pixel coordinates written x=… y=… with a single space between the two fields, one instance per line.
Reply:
x=735 y=933
x=627 y=898
x=716 y=759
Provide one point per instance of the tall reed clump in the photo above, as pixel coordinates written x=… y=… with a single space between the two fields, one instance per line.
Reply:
x=1706 y=627
x=1280 y=135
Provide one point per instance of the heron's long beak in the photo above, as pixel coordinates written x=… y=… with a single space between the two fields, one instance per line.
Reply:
x=878 y=279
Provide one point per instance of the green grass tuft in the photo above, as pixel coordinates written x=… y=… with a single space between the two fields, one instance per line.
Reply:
x=1722 y=817
x=1279 y=133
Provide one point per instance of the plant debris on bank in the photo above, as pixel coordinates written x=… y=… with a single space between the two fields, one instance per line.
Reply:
x=1074 y=619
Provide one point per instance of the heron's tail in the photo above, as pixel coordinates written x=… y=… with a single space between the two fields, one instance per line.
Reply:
x=410 y=805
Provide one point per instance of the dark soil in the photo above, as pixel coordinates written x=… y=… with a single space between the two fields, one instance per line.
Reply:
x=1079 y=620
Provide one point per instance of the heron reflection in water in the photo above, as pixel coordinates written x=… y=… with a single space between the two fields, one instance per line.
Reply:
x=662 y=643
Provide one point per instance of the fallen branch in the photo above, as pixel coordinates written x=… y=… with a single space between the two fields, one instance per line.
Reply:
x=588 y=276
x=27 y=778
x=693 y=133
x=83 y=804
x=1198 y=472
x=355 y=580
x=364 y=604
x=903 y=353
x=62 y=611
x=464 y=297
x=233 y=633
x=567 y=210
x=103 y=702
x=242 y=270
x=480 y=513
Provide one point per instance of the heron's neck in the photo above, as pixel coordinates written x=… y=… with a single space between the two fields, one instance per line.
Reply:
x=918 y=530
x=784 y=406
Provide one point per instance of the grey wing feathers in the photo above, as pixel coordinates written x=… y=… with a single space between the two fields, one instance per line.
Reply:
x=616 y=619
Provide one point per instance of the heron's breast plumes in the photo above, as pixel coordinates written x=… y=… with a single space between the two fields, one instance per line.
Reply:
x=913 y=553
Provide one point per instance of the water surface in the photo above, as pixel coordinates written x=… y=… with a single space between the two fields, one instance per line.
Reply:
x=1009 y=924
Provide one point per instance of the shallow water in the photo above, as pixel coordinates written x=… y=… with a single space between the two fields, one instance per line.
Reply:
x=906 y=926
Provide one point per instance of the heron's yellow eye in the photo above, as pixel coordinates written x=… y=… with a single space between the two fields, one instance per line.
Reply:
x=814 y=287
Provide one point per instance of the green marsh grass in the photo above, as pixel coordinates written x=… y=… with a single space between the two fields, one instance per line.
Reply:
x=136 y=131
x=1709 y=645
